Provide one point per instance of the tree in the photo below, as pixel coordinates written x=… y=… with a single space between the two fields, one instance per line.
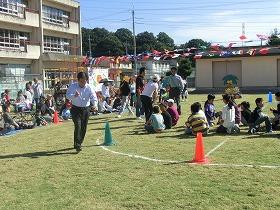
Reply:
x=146 y=42
x=185 y=68
x=274 y=38
x=197 y=43
x=96 y=35
x=109 y=46
x=164 y=42
x=126 y=37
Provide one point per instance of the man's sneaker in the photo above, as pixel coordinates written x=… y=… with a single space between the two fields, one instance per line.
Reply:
x=271 y=131
x=139 y=118
x=131 y=113
x=78 y=149
x=252 y=131
x=236 y=129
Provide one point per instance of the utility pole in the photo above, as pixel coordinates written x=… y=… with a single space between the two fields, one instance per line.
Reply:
x=134 y=41
x=89 y=45
x=243 y=32
x=126 y=50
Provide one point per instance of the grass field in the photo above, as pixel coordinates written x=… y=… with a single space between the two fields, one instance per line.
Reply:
x=40 y=170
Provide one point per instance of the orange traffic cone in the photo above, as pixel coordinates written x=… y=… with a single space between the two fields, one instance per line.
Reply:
x=199 y=156
x=55 y=118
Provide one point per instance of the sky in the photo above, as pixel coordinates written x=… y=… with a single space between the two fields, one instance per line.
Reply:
x=219 y=22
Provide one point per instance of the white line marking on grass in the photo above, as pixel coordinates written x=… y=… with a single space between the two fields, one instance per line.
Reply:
x=217 y=147
x=184 y=161
x=136 y=156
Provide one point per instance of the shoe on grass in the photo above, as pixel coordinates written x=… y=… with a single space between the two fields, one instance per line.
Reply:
x=252 y=131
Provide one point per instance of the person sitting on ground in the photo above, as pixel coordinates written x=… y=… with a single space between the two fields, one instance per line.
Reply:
x=166 y=116
x=6 y=101
x=66 y=115
x=258 y=117
x=156 y=123
x=19 y=103
x=6 y=121
x=172 y=110
x=228 y=117
x=48 y=106
x=276 y=112
x=237 y=108
x=197 y=121
x=245 y=112
x=209 y=109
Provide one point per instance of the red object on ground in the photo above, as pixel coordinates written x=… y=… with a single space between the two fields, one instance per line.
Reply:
x=55 y=118
x=199 y=156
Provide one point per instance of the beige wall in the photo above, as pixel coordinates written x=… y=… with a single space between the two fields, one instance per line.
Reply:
x=34 y=25
x=32 y=19
x=204 y=73
x=73 y=28
x=15 y=61
x=33 y=52
x=256 y=71
x=259 y=71
x=70 y=3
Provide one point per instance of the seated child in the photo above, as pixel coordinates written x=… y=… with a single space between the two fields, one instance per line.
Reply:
x=209 y=109
x=237 y=108
x=258 y=117
x=245 y=113
x=197 y=121
x=172 y=110
x=166 y=116
x=276 y=112
x=48 y=106
x=228 y=117
x=66 y=115
x=156 y=123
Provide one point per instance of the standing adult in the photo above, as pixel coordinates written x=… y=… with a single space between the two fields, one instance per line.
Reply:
x=81 y=94
x=38 y=92
x=139 y=89
x=149 y=95
x=176 y=86
x=185 y=90
x=132 y=86
x=125 y=94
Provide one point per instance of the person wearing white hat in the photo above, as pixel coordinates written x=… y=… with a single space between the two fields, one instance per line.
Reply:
x=149 y=95
x=172 y=110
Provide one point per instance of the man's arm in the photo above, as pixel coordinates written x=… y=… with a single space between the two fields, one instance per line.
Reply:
x=70 y=94
x=93 y=98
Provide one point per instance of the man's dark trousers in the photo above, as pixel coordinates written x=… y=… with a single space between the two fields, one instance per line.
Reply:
x=80 y=117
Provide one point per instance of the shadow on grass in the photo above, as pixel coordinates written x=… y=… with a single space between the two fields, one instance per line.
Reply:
x=112 y=128
x=263 y=135
x=40 y=154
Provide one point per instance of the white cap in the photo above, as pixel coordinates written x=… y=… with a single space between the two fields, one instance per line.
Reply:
x=155 y=77
x=170 y=101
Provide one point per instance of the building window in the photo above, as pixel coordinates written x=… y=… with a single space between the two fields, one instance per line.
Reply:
x=13 y=40
x=14 y=77
x=55 y=16
x=56 y=44
x=13 y=7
